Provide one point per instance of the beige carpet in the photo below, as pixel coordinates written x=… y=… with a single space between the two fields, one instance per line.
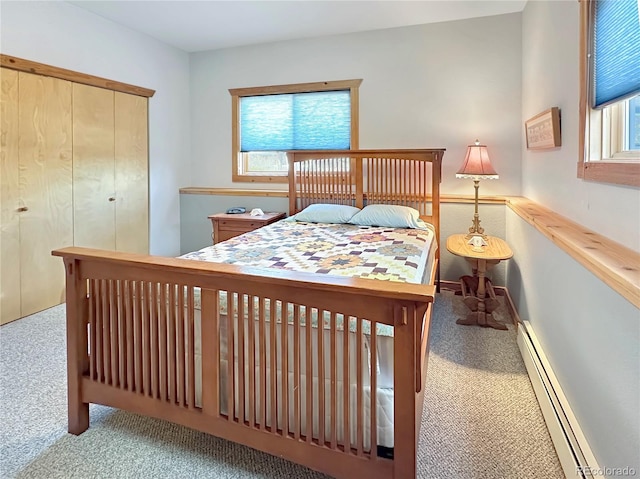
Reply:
x=481 y=418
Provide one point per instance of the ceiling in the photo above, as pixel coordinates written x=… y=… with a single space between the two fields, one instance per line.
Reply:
x=208 y=25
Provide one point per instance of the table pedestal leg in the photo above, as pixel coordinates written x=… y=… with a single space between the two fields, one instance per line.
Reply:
x=481 y=317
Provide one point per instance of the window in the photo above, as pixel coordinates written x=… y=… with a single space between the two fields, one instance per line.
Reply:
x=269 y=121
x=610 y=92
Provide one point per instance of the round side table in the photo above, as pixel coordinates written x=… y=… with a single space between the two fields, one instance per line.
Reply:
x=481 y=260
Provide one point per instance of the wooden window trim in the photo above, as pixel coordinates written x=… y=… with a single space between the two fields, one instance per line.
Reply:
x=237 y=93
x=604 y=171
x=20 y=64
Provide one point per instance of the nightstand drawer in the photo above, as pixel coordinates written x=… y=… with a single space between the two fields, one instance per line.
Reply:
x=240 y=226
x=224 y=235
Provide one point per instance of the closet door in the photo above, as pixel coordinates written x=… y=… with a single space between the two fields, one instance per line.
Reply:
x=94 y=200
x=131 y=173
x=44 y=123
x=9 y=199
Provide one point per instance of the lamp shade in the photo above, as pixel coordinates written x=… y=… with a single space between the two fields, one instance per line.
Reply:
x=477 y=165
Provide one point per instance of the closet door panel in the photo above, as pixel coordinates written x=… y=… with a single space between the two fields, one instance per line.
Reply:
x=9 y=199
x=45 y=151
x=131 y=173
x=94 y=198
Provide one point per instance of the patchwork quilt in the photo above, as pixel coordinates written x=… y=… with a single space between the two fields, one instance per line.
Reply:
x=382 y=253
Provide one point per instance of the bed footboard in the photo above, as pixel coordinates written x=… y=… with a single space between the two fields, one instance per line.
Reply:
x=133 y=342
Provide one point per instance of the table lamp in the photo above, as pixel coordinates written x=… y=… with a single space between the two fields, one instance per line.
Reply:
x=477 y=166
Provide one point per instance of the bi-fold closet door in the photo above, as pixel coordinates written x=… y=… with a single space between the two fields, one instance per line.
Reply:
x=36 y=192
x=110 y=179
x=74 y=171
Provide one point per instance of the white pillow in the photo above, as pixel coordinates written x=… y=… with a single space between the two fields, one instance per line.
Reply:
x=393 y=216
x=325 y=213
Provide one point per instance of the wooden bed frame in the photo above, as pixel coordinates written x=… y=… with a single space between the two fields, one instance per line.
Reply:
x=131 y=331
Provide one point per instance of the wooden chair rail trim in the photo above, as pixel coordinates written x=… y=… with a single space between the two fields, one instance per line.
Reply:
x=203 y=270
x=198 y=190
x=20 y=64
x=613 y=263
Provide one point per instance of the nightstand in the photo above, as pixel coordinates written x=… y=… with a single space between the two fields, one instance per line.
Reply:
x=476 y=287
x=227 y=226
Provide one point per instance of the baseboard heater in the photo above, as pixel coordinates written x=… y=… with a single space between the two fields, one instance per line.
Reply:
x=574 y=453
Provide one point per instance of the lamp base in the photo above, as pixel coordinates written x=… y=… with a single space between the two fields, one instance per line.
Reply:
x=473 y=235
x=475 y=229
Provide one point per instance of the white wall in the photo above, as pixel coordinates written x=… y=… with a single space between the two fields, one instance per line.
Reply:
x=428 y=86
x=590 y=333
x=550 y=69
x=63 y=35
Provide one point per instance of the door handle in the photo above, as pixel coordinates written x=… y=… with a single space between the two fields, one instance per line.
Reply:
x=22 y=208
x=112 y=199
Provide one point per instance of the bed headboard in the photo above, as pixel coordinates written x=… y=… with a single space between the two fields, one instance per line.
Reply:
x=360 y=177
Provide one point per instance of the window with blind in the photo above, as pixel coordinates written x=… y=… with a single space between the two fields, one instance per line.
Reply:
x=269 y=121
x=610 y=92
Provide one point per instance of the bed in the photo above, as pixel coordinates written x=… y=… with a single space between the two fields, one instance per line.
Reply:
x=258 y=350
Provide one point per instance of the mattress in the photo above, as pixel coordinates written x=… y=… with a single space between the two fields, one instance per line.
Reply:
x=382 y=253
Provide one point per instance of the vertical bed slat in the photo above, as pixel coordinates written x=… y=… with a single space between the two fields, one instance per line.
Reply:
x=312 y=182
x=372 y=178
x=388 y=198
x=122 y=337
x=191 y=356
x=252 y=361
x=172 y=343
x=146 y=339
x=309 y=374
x=180 y=341
x=322 y=178
x=106 y=326
x=231 y=310
x=321 y=401
x=113 y=331
x=417 y=183
x=241 y=393
x=274 y=368
x=296 y=371
x=163 y=346
x=263 y=365
x=301 y=187
x=334 y=380
x=345 y=385
x=128 y=318
x=153 y=322
x=284 y=351
x=335 y=180
x=395 y=172
x=137 y=318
